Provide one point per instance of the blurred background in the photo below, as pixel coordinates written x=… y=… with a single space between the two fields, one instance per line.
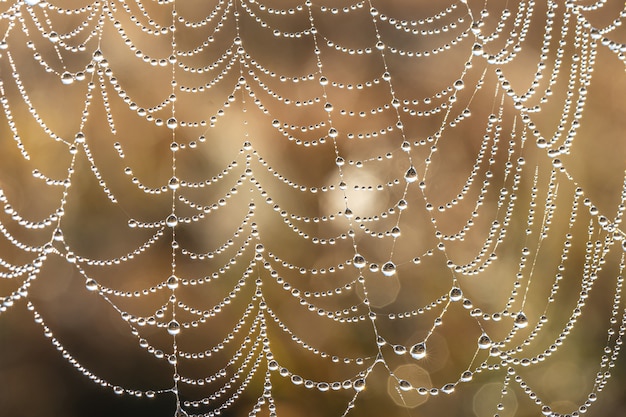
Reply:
x=297 y=206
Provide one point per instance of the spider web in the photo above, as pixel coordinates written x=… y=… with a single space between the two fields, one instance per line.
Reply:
x=312 y=208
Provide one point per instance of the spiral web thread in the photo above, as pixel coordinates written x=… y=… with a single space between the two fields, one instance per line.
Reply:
x=324 y=207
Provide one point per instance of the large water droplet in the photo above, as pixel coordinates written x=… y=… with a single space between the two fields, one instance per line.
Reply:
x=418 y=351
x=359 y=261
x=411 y=175
x=172 y=282
x=389 y=269
x=91 y=284
x=32 y=2
x=456 y=294
x=459 y=85
x=520 y=320
x=173 y=183
x=172 y=123
x=405 y=385
x=484 y=342
x=359 y=385
x=171 y=220
x=448 y=388
x=173 y=327
x=98 y=56
x=67 y=78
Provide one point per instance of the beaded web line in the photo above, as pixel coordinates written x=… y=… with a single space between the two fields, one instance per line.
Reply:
x=278 y=203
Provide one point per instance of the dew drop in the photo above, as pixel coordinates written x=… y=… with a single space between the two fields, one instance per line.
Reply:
x=58 y=235
x=456 y=294
x=173 y=327
x=402 y=204
x=259 y=248
x=448 y=388
x=399 y=350
x=418 y=351
x=388 y=269
x=328 y=107
x=467 y=376
x=296 y=380
x=359 y=385
x=67 y=78
x=411 y=175
x=91 y=284
x=32 y=2
x=459 y=85
x=172 y=123
x=405 y=385
x=171 y=220
x=323 y=81
x=359 y=261
x=98 y=56
x=173 y=183
x=272 y=366
x=484 y=342
x=172 y=282
x=520 y=320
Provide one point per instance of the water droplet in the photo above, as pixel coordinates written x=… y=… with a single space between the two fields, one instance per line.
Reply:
x=98 y=56
x=359 y=385
x=467 y=376
x=173 y=327
x=296 y=380
x=58 y=235
x=405 y=385
x=118 y=390
x=402 y=204
x=272 y=366
x=456 y=294
x=172 y=123
x=32 y=2
x=333 y=133
x=171 y=220
x=448 y=388
x=328 y=107
x=459 y=85
x=323 y=386
x=411 y=175
x=477 y=49
x=395 y=231
x=91 y=284
x=323 y=81
x=359 y=261
x=259 y=248
x=484 y=342
x=67 y=78
x=389 y=269
x=418 y=351
x=173 y=183
x=399 y=350
x=172 y=282
x=520 y=320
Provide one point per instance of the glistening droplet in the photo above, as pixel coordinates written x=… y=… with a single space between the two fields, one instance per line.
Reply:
x=405 y=385
x=173 y=327
x=171 y=220
x=456 y=294
x=418 y=351
x=520 y=320
x=410 y=175
x=359 y=385
x=172 y=282
x=359 y=261
x=91 y=284
x=389 y=269
x=67 y=78
x=484 y=342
